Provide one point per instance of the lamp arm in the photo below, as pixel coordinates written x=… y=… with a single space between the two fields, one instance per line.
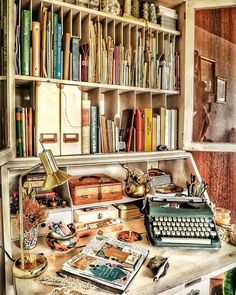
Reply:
x=21 y=215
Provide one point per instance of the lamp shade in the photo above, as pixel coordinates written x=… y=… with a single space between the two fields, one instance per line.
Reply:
x=55 y=176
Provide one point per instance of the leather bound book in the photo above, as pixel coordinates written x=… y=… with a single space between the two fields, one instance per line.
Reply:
x=66 y=56
x=36 y=49
x=139 y=125
x=104 y=136
x=127 y=125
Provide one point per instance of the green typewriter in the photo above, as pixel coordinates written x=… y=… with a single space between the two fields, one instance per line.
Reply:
x=180 y=221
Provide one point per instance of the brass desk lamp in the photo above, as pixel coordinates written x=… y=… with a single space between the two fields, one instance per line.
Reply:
x=55 y=177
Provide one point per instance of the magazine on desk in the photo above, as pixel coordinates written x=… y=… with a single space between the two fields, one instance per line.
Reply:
x=108 y=262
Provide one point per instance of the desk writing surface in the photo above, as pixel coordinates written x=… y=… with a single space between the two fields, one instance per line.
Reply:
x=185 y=266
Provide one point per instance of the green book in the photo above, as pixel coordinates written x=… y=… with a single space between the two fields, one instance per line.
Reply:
x=55 y=45
x=94 y=129
x=19 y=132
x=25 y=42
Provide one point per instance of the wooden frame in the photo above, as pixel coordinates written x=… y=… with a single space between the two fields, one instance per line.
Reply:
x=207 y=73
x=221 y=90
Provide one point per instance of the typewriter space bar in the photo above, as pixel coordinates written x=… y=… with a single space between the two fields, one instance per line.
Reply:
x=186 y=241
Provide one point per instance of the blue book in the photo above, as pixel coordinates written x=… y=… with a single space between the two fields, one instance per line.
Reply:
x=55 y=45
x=59 y=55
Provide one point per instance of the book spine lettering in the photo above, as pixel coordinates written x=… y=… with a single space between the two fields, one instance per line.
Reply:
x=55 y=44
x=85 y=126
x=25 y=42
x=59 y=55
x=148 y=130
x=19 y=136
x=94 y=130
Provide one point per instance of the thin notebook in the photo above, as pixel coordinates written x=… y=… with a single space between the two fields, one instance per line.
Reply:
x=107 y=262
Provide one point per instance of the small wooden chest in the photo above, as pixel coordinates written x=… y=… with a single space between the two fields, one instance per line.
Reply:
x=94 y=188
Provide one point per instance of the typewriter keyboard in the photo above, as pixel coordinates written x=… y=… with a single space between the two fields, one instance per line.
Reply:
x=182 y=230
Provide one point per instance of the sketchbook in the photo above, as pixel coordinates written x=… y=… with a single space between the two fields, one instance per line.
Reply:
x=107 y=262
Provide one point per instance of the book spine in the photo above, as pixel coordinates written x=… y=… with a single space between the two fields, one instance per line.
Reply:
x=36 y=49
x=94 y=130
x=85 y=126
x=162 y=123
x=55 y=44
x=154 y=133
x=139 y=125
x=75 y=58
x=25 y=45
x=148 y=130
x=66 y=54
x=59 y=55
x=30 y=131
x=5 y=43
x=19 y=135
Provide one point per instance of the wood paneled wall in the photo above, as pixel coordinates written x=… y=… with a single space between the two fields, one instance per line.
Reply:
x=219 y=171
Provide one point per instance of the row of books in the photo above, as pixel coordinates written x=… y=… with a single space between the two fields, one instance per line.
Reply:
x=140 y=130
x=47 y=52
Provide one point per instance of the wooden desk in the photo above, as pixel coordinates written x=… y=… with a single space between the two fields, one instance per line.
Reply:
x=186 y=266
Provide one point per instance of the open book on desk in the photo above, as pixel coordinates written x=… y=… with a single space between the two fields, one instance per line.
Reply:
x=107 y=262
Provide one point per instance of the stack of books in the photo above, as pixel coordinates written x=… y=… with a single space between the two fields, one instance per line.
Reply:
x=167 y=17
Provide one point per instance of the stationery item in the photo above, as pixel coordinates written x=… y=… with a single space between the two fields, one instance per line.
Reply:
x=158 y=266
x=109 y=262
x=84 y=49
x=128 y=211
x=85 y=123
x=66 y=56
x=70 y=130
x=94 y=188
x=47 y=119
x=139 y=125
x=36 y=49
x=25 y=42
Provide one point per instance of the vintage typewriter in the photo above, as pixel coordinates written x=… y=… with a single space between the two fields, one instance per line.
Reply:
x=179 y=220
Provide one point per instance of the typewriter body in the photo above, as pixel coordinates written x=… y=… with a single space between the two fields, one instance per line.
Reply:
x=180 y=221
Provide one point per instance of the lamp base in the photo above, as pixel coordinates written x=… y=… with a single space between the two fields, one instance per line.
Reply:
x=35 y=265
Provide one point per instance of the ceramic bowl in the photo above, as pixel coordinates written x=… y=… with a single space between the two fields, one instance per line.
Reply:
x=63 y=243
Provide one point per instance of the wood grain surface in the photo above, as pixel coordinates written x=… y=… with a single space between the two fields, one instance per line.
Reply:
x=219 y=171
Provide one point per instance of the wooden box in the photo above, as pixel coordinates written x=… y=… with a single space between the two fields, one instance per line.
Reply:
x=94 y=188
x=95 y=214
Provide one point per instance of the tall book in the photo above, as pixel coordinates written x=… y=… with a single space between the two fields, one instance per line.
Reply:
x=30 y=131
x=148 y=130
x=168 y=128
x=173 y=129
x=66 y=56
x=139 y=126
x=44 y=52
x=154 y=133
x=162 y=125
x=59 y=53
x=75 y=58
x=94 y=129
x=19 y=132
x=55 y=45
x=104 y=135
x=36 y=48
x=85 y=116
x=127 y=125
x=25 y=42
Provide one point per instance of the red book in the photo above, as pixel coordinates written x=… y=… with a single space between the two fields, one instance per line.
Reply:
x=139 y=125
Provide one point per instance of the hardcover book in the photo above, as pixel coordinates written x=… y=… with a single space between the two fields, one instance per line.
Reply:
x=108 y=262
x=25 y=42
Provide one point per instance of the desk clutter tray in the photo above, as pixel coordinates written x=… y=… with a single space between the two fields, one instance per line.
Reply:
x=94 y=188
